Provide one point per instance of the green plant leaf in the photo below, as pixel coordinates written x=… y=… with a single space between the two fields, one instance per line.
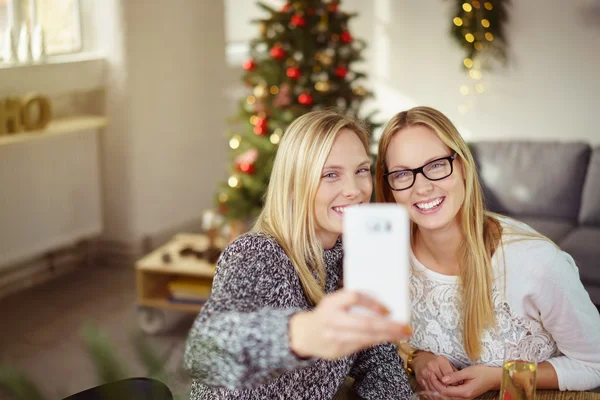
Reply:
x=18 y=385
x=108 y=367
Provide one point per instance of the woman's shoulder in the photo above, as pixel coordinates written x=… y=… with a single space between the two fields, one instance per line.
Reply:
x=527 y=249
x=252 y=246
x=254 y=241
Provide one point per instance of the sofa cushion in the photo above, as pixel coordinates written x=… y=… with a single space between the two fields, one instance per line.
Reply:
x=542 y=179
x=583 y=245
x=590 y=202
x=555 y=229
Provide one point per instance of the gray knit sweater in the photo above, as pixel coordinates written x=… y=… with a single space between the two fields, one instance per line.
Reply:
x=238 y=347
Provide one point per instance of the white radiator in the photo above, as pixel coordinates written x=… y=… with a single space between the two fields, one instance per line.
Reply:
x=50 y=193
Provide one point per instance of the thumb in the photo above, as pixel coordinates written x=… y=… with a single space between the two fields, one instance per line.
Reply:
x=455 y=377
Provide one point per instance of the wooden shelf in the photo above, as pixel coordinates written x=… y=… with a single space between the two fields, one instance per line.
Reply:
x=165 y=304
x=187 y=266
x=61 y=126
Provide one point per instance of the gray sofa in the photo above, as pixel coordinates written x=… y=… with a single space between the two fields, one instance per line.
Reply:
x=555 y=188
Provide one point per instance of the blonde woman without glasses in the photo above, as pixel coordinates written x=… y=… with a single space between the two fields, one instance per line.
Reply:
x=275 y=326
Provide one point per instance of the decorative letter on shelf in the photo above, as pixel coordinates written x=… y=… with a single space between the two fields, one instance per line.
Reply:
x=30 y=113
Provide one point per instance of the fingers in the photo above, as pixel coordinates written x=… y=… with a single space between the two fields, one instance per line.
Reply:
x=436 y=371
x=454 y=377
x=347 y=299
x=370 y=325
x=463 y=391
x=437 y=386
x=446 y=368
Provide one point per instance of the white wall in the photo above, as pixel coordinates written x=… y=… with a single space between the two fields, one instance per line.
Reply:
x=165 y=148
x=550 y=90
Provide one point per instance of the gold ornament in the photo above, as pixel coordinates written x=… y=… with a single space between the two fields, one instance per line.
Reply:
x=260 y=91
x=468 y=37
x=324 y=58
x=468 y=62
x=223 y=197
x=457 y=21
x=323 y=86
x=467 y=7
x=275 y=138
x=478 y=46
x=250 y=99
x=485 y=23
x=234 y=143
x=274 y=89
x=232 y=181
x=475 y=74
x=253 y=119
x=359 y=91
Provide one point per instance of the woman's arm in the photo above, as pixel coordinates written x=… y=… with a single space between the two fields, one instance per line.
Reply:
x=240 y=339
x=378 y=374
x=568 y=314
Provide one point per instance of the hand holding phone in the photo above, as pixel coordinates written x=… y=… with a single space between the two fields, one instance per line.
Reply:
x=376 y=241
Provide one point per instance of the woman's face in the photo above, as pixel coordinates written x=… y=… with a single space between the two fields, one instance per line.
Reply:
x=432 y=205
x=345 y=181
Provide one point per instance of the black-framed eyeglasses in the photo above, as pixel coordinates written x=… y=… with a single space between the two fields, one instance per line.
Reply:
x=435 y=170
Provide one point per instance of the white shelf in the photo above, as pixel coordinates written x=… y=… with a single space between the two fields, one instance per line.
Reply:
x=80 y=72
x=63 y=126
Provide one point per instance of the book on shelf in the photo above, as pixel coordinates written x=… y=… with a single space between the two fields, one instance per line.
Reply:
x=189 y=290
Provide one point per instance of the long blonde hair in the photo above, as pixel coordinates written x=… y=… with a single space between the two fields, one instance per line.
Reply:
x=288 y=213
x=482 y=233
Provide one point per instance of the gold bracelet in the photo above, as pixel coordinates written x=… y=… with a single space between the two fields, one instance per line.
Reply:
x=409 y=360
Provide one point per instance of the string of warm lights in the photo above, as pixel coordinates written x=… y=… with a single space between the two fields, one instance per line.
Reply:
x=478 y=27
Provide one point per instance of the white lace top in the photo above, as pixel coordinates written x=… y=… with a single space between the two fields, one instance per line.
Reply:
x=543 y=304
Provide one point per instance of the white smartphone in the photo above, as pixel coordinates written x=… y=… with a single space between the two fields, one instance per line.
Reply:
x=376 y=241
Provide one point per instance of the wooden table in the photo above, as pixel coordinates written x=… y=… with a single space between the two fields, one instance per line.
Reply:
x=346 y=393
x=153 y=275
x=551 y=394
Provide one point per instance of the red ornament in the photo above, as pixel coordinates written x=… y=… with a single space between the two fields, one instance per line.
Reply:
x=249 y=65
x=260 y=128
x=298 y=20
x=346 y=37
x=305 y=99
x=293 y=72
x=286 y=7
x=246 y=167
x=333 y=7
x=260 y=131
x=277 y=52
x=262 y=122
x=222 y=209
x=341 y=72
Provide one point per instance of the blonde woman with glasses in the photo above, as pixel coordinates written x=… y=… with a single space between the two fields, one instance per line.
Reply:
x=275 y=327
x=479 y=279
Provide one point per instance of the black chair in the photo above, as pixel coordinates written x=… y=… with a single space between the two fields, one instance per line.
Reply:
x=126 y=389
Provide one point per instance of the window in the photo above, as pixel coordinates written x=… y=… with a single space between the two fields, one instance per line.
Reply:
x=60 y=20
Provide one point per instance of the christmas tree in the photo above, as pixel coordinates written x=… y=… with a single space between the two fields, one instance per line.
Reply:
x=301 y=61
